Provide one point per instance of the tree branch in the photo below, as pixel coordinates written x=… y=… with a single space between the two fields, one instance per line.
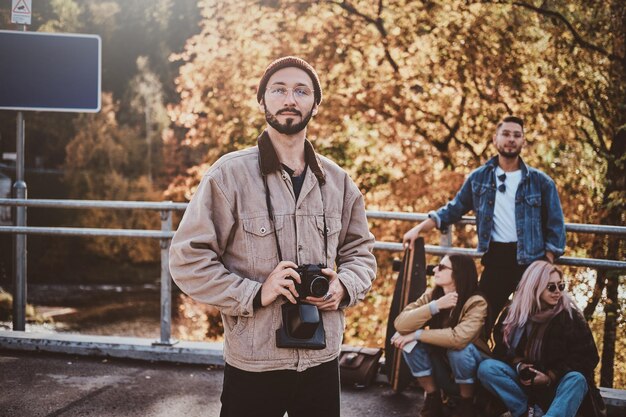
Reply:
x=457 y=125
x=494 y=98
x=591 y=141
x=348 y=7
x=597 y=126
x=577 y=37
x=378 y=23
x=595 y=296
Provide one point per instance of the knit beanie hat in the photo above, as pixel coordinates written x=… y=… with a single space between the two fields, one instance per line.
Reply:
x=286 y=62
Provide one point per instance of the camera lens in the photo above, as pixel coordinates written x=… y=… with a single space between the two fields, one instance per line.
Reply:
x=319 y=286
x=526 y=374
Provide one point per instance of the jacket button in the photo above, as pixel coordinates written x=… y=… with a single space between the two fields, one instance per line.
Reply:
x=300 y=247
x=491 y=202
x=284 y=177
x=263 y=230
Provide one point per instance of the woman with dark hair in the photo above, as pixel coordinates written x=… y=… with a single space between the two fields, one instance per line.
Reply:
x=450 y=318
x=547 y=351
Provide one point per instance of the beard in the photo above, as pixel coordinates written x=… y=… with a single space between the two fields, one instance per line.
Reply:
x=289 y=127
x=509 y=154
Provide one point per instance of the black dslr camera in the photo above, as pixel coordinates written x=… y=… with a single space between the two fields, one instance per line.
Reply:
x=313 y=282
x=302 y=323
x=527 y=375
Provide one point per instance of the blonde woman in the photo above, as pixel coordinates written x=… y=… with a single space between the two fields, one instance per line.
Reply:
x=547 y=350
x=448 y=319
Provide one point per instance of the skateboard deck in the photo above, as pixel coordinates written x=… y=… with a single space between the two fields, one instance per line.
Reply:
x=411 y=283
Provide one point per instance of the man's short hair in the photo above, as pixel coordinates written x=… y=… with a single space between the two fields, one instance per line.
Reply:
x=510 y=119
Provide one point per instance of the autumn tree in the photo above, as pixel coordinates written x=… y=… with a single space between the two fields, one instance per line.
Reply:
x=146 y=99
x=413 y=90
x=95 y=169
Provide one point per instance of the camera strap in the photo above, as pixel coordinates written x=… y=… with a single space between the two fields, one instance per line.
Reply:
x=270 y=211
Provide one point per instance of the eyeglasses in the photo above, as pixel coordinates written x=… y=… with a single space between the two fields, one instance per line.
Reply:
x=280 y=91
x=502 y=186
x=443 y=267
x=506 y=134
x=553 y=286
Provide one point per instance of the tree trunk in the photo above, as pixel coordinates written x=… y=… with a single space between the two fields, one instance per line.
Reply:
x=611 y=310
x=614 y=200
x=612 y=248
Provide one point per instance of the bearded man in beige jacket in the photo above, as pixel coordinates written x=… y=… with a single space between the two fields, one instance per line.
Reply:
x=258 y=215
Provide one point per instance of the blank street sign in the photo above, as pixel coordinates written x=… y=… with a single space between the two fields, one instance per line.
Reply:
x=50 y=71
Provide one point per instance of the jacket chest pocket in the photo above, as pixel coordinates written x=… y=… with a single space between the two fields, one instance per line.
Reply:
x=261 y=237
x=480 y=193
x=533 y=206
x=533 y=201
x=333 y=227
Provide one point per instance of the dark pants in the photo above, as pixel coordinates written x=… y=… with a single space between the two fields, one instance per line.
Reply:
x=314 y=392
x=500 y=278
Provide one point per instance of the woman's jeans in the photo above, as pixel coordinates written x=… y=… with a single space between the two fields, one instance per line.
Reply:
x=463 y=362
x=502 y=380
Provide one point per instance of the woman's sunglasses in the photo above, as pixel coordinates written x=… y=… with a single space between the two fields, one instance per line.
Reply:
x=443 y=267
x=553 y=286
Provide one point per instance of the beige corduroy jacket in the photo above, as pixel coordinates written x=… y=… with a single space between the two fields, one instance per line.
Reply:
x=468 y=329
x=225 y=248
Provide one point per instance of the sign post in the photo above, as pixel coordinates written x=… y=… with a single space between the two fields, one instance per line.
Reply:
x=21 y=12
x=19 y=240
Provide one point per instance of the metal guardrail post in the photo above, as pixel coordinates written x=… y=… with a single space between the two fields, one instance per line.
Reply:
x=166 y=283
x=19 y=241
x=445 y=240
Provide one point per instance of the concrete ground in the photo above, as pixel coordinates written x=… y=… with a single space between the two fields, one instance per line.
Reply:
x=43 y=384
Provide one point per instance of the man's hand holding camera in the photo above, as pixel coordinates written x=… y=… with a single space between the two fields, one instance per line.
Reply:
x=280 y=282
x=284 y=279
x=333 y=298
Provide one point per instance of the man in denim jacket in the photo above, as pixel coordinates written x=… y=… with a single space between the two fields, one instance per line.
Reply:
x=518 y=215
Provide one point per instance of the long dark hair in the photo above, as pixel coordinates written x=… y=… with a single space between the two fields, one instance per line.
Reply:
x=465 y=279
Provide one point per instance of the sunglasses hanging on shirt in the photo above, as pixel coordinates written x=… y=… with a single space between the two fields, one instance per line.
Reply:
x=502 y=186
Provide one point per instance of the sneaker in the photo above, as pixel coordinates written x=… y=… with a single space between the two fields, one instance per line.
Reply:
x=537 y=411
x=432 y=405
x=465 y=408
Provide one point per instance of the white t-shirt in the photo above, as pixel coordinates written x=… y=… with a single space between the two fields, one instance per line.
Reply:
x=504 y=229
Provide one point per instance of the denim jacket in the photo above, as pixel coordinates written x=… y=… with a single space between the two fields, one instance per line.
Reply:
x=538 y=214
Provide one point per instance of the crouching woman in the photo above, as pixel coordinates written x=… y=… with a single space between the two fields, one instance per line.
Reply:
x=448 y=319
x=547 y=350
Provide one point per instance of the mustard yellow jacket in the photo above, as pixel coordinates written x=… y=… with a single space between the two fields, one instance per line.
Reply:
x=467 y=330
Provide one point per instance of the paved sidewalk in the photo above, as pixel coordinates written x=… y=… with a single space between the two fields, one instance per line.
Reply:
x=50 y=385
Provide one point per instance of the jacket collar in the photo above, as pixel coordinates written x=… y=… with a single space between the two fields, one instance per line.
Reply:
x=268 y=160
x=493 y=164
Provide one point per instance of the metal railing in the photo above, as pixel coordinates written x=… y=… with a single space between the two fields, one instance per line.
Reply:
x=166 y=233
